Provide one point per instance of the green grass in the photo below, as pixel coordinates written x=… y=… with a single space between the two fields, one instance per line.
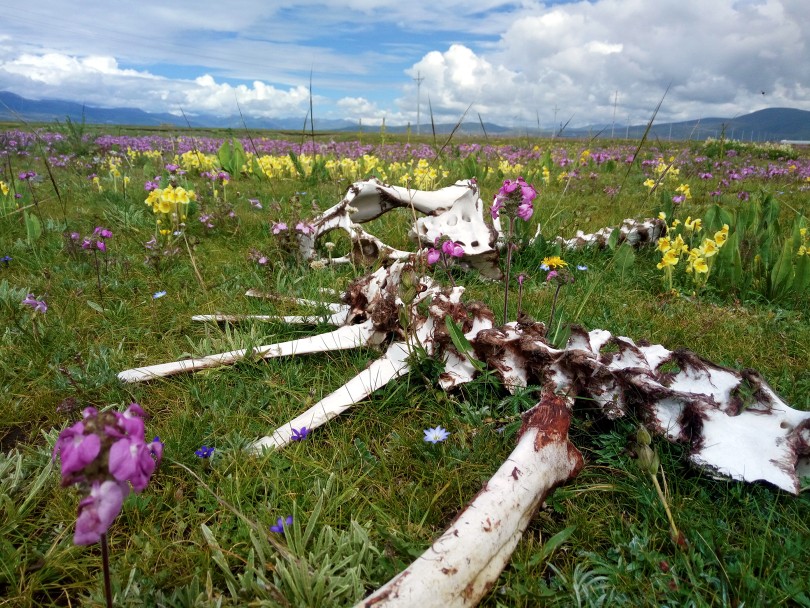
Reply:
x=367 y=494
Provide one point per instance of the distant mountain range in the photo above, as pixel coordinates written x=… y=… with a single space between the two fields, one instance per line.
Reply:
x=772 y=124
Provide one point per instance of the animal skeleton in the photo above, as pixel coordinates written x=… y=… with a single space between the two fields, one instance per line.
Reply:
x=732 y=422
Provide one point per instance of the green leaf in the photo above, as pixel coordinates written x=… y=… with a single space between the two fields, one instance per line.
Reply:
x=801 y=278
x=462 y=344
x=96 y=307
x=613 y=239
x=551 y=545
x=33 y=227
x=782 y=272
x=625 y=257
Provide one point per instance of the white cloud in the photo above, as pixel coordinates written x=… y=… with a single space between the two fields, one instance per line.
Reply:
x=511 y=62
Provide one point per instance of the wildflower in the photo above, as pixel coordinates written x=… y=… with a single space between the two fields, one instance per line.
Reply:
x=6 y=259
x=452 y=249
x=582 y=267
x=670 y=258
x=158 y=294
x=204 y=452
x=650 y=183
x=521 y=278
x=299 y=434
x=104 y=454
x=98 y=510
x=693 y=224
x=664 y=244
x=255 y=203
x=515 y=192
x=708 y=248
x=436 y=435
x=305 y=228
x=282 y=523
x=317 y=264
x=553 y=274
x=37 y=305
x=662 y=215
x=433 y=256
x=553 y=262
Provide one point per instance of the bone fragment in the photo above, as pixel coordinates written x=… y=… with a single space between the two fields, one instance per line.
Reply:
x=462 y=564
x=343 y=338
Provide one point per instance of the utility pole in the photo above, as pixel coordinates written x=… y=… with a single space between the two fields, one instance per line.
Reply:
x=418 y=80
x=554 y=124
x=613 y=124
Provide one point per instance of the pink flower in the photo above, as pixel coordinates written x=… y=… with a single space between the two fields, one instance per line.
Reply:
x=551 y=275
x=98 y=510
x=452 y=249
x=524 y=211
x=37 y=305
x=279 y=227
x=496 y=207
x=433 y=256
x=304 y=228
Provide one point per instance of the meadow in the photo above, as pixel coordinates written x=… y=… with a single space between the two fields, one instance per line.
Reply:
x=100 y=272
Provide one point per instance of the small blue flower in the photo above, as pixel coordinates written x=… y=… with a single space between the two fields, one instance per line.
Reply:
x=299 y=434
x=582 y=267
x=205 y=452
x=6 y=259
x=281 y=524
x=545 y=267
x=436 y=435
x=158 y=294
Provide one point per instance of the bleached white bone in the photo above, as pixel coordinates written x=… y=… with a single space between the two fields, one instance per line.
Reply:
x=343 y=338
x=454 y=211
x=464 y=562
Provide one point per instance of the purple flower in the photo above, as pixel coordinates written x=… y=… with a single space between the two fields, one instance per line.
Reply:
x=279 y=227
x=679 y=198
x=98 y=510
x=102 y=232
x=76 y=450
x=551 y=275
x=131 y=460
x=37 y=305
x=75 y=236
x=436 y=435
x=433 y=256
x=6 y=259
x=282 y=523
x=496 y=208
x=255 y=202
x=204 y=452
x=299 y=434
x=521 y=278
x=101 y=246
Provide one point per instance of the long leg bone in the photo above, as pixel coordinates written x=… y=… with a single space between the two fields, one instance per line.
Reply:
x=461 y=565
x=343 y=338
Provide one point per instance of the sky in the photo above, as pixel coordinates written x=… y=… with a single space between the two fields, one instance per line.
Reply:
x=518 y=64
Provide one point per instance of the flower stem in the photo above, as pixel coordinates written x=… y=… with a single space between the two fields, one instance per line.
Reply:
x=508 y=267
x=553 y=307
x=105 y=565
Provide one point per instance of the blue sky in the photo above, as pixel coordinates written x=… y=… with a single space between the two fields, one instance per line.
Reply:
x=512 y=63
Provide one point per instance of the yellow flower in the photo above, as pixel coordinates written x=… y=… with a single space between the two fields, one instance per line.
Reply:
x=670 y=259
x=664 y=244
x=700 y=265
x=662 y=215
x=679 y=246
x=708 y=248
x=693 y=224
x=650 y=183
x=4 y=188
x=684 y=189
x=720 y=238
x=675 y=224
x=803 y=251
x=553 y=262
